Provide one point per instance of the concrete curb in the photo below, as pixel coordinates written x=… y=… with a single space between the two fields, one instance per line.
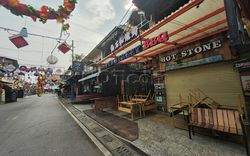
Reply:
x=102 y=148
x=124 y=139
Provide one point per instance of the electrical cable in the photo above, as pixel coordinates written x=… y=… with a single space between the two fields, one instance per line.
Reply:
x=32 y=34
x=126 y=14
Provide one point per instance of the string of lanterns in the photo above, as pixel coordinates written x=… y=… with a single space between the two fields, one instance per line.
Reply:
x=45 y=13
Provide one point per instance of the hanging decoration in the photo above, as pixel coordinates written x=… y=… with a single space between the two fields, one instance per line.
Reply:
x=52 y=59
x=64 y=47
x=40 y=85
x=24 y=32
x=44 y=14
x=18 y=41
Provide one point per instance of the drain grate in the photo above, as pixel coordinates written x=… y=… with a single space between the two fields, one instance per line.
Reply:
x=123 y=151
x=107 y=138
x=97 y=129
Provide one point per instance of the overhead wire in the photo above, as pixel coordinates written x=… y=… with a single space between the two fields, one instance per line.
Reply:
x=126 y=14
x=32 y=34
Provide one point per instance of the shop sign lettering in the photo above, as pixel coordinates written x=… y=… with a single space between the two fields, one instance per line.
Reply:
x=192 y=52
x=125 y=38
x=243 y=65
x=155 y=40
x=126 y=55
x=212 y=59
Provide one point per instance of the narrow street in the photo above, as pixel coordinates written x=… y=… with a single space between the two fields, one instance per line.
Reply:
x=39 y=126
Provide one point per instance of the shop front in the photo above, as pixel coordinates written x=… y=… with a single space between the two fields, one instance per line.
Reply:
x=243 y=65
x=189 y=54
x=203 y=69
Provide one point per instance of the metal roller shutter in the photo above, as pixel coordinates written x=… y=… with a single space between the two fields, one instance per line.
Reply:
x=219 y=81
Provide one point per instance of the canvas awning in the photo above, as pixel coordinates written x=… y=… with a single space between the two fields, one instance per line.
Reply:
x=194 y=21
x=89 y=77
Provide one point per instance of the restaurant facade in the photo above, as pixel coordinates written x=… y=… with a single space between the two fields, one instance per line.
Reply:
x=188 y=50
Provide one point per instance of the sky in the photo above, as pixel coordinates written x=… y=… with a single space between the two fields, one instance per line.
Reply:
x=90 y=22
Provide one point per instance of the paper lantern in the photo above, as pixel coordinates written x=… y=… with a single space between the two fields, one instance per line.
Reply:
x=36 y=73
x=52 y=59
x=21 y=73
x=18 y=41
x=23 y=68
x=24 y=32
x=41 y=69
x=49 y=71
x=59 y=71
x=64 y=47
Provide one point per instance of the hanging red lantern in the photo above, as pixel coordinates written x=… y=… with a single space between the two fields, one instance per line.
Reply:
x=18 y=41
x=64 y=47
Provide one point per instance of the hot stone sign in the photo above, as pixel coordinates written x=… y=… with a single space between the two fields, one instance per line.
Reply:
x=191 y=52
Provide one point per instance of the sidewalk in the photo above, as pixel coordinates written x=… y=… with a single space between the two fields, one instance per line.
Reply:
x=112 y=143
x=158 y=138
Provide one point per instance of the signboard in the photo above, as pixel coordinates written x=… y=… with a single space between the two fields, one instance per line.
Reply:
x=245 y=80
x=126 y=55
x=211 y=59
x=147 y=44
x=125 y=38
x=192 y=52
x=243 y=65
x=163 y=37
x=77 y=66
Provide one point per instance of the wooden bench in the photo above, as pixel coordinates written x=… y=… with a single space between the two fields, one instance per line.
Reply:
x=228 y=121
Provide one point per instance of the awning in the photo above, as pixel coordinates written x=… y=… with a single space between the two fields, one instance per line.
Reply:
x=73 y=79
x=195 y=21
x=89 y=77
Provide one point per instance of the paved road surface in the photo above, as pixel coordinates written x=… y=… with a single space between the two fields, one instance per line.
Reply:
x=36 y=126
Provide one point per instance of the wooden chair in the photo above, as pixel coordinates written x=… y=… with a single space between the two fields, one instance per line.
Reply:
x=180 y=107
x=149 y=104
x=198 y=97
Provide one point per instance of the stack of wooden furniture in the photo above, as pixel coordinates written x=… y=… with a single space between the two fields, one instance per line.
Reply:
x=146 y=102
x=197 y=98
x=204 y=112
x=128 y=106
x=137 y=104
